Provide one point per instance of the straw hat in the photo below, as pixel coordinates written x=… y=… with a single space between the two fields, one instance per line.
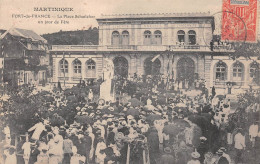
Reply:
x=110 y=116
x=167 y=150
x=220 y=152
x=203 y=138
x=195 y=155
x=223 y=149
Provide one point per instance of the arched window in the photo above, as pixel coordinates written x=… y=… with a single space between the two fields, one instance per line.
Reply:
x=192 y=37
x=77 y=67
x=158 y=37
x=125 y=38
x=255 y=73
x=147 y=37
x=238 y=69
x=115 y=38
x=91 y=69
x=64 y=66
x=181 y=36
x=221 y=71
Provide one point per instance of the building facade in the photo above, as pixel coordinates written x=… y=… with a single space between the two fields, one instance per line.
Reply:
x=25 y=57
x=176 y=46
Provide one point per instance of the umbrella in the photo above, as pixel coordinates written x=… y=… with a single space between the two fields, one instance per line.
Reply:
x=133 y=112
x=197 y=133
x=161 y=100
x=198 y=120
x=56 y=120
x=72 y=98
x=169 y=95
x=83 y=94
x=135 y=102
x=49 y=98
x=83 y=119
x=181 y=123
x=172 y=129
x=149 y=107
x=153 y=117
x=221 y=97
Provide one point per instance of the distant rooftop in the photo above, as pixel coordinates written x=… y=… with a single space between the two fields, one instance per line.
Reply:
x=152 y=15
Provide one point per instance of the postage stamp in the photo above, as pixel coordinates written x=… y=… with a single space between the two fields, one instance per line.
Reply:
x=239 y=20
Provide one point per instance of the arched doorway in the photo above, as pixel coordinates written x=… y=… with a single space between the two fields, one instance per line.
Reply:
x=152 y=68
x=121 y=66
x=185 y=71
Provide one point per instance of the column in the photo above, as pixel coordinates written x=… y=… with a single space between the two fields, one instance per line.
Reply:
x=132 y=64
x=186 y=38
x=70 y=69
x=229 y=69
x=83 y=68
x=139 y=64
x=246 y=74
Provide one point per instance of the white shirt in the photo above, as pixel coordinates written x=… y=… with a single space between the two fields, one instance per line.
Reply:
x=253 y=130
x=38 y=128
x=239 y=141
x=11 y=159
x=26 y=148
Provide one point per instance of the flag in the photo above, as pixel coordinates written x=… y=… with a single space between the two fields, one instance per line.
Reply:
x=156 y=57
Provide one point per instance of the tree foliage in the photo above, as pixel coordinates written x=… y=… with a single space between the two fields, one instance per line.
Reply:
x=79 y=37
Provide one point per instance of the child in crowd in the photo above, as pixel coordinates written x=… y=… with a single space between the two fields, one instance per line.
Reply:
x=26 y=150
x=76 y=158
x=11 y=156
x=43 y=157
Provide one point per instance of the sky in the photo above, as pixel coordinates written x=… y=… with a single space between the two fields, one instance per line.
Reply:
x=11 y=9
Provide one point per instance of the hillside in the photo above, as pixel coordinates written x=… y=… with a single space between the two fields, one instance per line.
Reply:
x=79 y=37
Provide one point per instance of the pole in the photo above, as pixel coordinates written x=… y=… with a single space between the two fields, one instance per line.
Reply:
x=128 y=155
x=64 y=69
x=144 y=160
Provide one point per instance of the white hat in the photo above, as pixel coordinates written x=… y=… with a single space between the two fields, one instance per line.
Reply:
x=203 y=138
x=195 y=155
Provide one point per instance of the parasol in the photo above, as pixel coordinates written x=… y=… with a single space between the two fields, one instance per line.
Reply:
x=181 y=123
x=172 y=129
x=72 y=98
x=135 y=102
x=153 y=117
x=56 y=120
x=197 y=133
x=49 y=99
x=149 y=107
x=198 y=120
x=133 y=112
x=83 y=119
x=161 y=100
x=220 y=97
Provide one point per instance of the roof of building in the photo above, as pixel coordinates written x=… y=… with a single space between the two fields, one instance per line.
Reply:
x=26 y=34
x=156 y=15
x=2 y=31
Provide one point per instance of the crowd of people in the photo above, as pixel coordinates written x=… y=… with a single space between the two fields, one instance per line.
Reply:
x=148 y=123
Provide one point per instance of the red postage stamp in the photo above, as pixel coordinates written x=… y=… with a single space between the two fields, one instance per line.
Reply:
x=239 y=20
